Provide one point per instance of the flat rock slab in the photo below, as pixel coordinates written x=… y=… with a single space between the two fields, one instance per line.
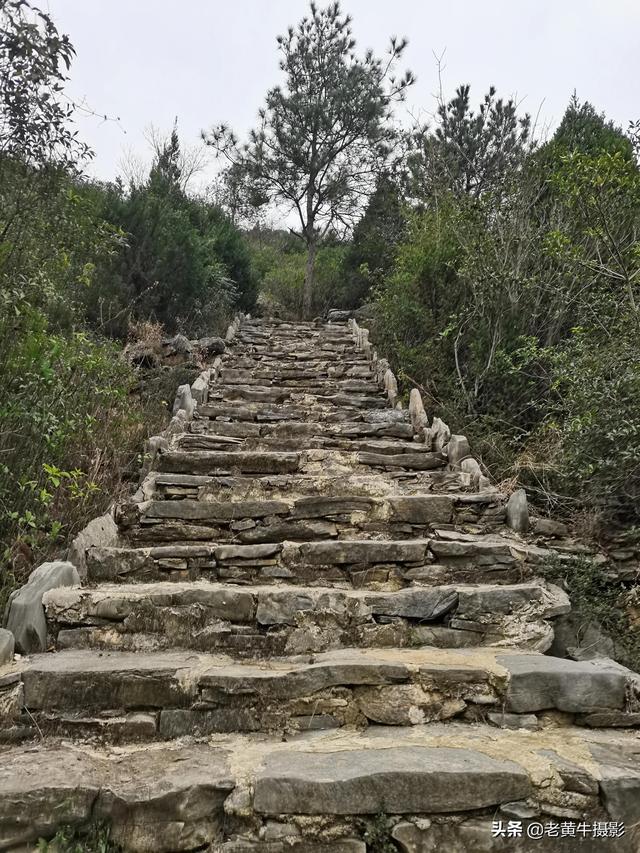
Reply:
x=397 y=780
x=162 y=799
x=540 y=682
x=357 y=551
x=206 y=462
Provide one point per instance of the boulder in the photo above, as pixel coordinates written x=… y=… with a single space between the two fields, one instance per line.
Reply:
x=441 y=433
x=210 y=347
x=518 y=511
x=184 y=400
x=457 y=449
x=549 y=527
x=25 y=613
x=101 y=532
x=177 y=345
x=334 y=315
x=417 y=413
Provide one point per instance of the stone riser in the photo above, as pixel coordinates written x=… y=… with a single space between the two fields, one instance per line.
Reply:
x=279 y=619
x=214 y=441
x=155 y=532
x=177 y=694
x=299 y=413
x=239 y=487
x=325 y=791
x=302 y=429
x=249 y=389
x=358 y=563
x=305 y=518
x=321 y=462
x=321 y=374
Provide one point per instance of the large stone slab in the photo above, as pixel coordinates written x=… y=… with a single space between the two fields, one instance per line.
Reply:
x=360 y=551
x=207 y=462
x=25 y=614
x=541 y=682
x=212 y=510
x=395 y=780
x=163 y=800
x=422 y=509
x=89 y=683
x=412 y=461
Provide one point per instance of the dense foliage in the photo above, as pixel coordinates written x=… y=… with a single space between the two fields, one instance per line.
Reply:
x=503 y=273
x=80 y=264
x=515 y=305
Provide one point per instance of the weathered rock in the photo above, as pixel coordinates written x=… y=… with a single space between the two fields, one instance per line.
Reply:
x=543 y=682
x=518 y=511
x=212 y=511
x=210 y=347
x=360 y=551
x=422 y=509
x=417 y=413
x=184 y=401
x=321 y=506
x=422 y=603
x=7 y=645
x=440 y=433
x=549 y=527
x=396 y=780
x=457 y=449
x=25 y=616
x=101 y=532
x=156 y=800
x=504 y=720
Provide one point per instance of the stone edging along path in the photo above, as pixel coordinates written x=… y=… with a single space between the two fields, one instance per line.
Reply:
x=316 y=620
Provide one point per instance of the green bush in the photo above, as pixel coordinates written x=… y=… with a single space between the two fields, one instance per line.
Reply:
x=95 y=838
x=283 y=278
x=72 y=423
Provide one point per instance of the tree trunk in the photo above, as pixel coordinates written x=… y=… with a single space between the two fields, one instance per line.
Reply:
x=309 y=275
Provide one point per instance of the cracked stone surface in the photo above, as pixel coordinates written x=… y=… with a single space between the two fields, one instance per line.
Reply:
x=313 y=616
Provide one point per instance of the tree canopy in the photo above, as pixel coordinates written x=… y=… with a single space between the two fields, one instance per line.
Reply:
x=326 y=133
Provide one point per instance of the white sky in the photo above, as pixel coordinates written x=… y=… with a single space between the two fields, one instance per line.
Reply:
x=207 y=61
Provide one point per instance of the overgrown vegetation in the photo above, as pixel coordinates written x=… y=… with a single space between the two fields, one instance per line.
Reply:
x=80 y=264
x=598 y=600
x=503 y=273
x=503 y=270
x=95 y=838
x=377 y=834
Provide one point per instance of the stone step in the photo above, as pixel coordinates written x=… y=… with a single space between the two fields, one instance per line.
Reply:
x=362 y=482
x=348 y=518
x=449 y=556
x=284 y=430
x=276 y=619
x=321 y=461
x=257 y=372
x=272 y=393
x=323 y=792
x=212 y=440
x=210 y=462
x=310 y=399
x=300 y=412
x=254 y=365
x=124 y=696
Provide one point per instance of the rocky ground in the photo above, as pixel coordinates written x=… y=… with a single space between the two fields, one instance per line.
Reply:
x=312 y=622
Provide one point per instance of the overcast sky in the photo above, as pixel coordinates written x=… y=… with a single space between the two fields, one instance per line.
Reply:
x=206 y=61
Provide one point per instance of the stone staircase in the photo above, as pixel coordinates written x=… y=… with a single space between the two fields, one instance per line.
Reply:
x=312 y=629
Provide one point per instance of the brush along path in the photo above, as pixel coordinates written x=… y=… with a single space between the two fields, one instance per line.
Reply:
x=310 y=618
